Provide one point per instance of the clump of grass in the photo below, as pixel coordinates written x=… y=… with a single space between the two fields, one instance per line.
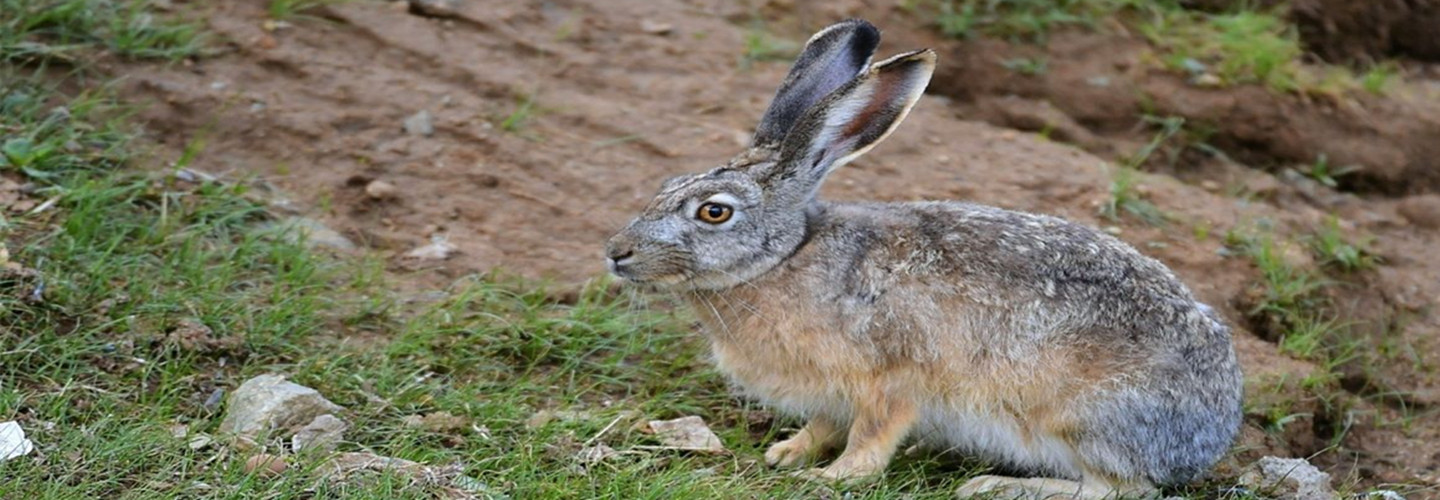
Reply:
x=292 y=9
x=760 y=46
x=1333 y=249
x=1377 y=79
x=1027 y=66
x=1021 y=20
x=1321 y=171
x=1238 y=47
x=519 y=119
x=38 y=31
x=1288 y=306
x=1124 y=197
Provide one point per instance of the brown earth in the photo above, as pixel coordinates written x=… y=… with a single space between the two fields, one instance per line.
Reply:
x=623 y=93
x=1369 y=30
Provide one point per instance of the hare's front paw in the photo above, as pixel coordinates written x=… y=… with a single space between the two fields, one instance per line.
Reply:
x=818 y=435
x=791 y=452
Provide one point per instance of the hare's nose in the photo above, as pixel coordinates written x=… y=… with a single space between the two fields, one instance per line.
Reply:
x=620 y=254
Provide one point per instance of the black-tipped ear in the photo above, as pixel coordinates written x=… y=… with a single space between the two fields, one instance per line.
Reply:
x=833 y=56
x=847 y=123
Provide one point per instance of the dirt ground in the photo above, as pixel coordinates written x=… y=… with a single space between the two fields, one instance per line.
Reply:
x=554 y=122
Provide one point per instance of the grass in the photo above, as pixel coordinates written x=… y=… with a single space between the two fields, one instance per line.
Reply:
x=295 y=9
x=1019 y=20
x=1026 y=65
x=1125 y=197
x=761 y=46
x=94 y=369
x=47 y=31
x=135 y=296
x=1288 y=305
x=1378 y=78
x=1321 y=171
x=524 y=111
x=1238 y=47
x=1334 y=250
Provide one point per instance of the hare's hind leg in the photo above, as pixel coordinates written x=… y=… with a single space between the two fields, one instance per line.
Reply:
x=1043 y=488
x=819 y=434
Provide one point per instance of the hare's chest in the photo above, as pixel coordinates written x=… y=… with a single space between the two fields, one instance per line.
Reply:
x=797 y=373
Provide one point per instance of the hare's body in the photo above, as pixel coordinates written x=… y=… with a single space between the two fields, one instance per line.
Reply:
x=1025 y=339
x=1035 y=342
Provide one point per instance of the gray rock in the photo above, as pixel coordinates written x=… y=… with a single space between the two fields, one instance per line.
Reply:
x=420 y=124
x=13 y=442
x=269 y=403
x=1288 y=479
x=596 y=454
x=314 y=233
x=323 y=433
x=435 y=8
x=687 y=433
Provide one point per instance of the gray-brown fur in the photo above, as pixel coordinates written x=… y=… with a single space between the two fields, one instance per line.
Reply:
x=1023 y=338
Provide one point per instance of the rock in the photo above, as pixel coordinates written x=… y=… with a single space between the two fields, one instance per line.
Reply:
x=270 y=403
x=596 y=454
x=543 y=417
x=381 y=190
x=346 y=463
x=200 y=442
x=440 y=421
x=435 y=8
x=1207 y=80
x=1422 y=210
x=448 y=479
x=13 y=442
x=654 y=27
x=212 y=402
x=322 y=433
x=438 y=249
x=687 y=433
x=421 y=124
x=192 y=335
x=265 y=465
x=314 y=233
x=1288 y=479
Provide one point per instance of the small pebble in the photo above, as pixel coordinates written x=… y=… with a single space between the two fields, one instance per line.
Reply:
x=380 y=190
x=420 y=123
x=265 y=465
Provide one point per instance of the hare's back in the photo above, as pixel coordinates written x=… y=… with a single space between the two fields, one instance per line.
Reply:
x=1005 y=260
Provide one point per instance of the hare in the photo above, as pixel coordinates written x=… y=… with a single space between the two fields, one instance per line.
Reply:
x=1039 y=344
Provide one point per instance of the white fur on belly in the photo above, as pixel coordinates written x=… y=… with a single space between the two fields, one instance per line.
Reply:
x=996 y=437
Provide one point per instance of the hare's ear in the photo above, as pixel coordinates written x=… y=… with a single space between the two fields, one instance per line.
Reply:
x=847 y=123
x=833 y=56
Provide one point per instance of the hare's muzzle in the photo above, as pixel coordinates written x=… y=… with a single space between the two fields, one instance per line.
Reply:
x=619 y=254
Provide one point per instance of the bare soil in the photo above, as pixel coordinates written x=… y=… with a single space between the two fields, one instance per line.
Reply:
x=553 y=123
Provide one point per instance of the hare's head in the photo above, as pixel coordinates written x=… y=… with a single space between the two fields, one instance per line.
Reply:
x=728 y=225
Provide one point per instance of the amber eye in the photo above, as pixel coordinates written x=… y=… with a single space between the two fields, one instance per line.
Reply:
x=714 y=213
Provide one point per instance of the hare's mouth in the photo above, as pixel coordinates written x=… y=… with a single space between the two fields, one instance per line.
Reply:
x=656 y=281
x=631 y=274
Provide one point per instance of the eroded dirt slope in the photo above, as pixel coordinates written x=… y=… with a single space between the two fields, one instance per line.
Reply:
x=553 y=122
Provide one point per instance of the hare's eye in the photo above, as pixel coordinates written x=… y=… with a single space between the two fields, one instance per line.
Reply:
x=714 y=213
